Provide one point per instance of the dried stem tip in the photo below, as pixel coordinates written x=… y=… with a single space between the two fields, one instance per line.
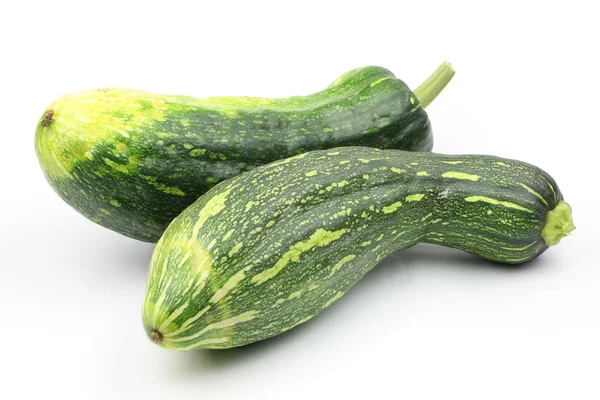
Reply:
x=48 y=118
x=156 y=335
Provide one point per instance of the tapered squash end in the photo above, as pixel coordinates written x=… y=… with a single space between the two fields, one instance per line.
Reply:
x=559 y=224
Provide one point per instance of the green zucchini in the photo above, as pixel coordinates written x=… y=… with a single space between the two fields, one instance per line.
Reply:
x=132 y=161
x=268 y=250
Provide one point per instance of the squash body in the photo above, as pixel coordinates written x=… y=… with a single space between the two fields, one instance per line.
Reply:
x=271 y=248
x=131 y=161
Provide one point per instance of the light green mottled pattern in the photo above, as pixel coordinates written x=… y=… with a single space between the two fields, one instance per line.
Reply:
x=491 y=200
x=319 y=238
x=414 y=197
x=270 y=249
x=460 y=175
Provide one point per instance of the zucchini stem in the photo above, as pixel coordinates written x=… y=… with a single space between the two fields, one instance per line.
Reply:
x=559 y=223
x=430 y=89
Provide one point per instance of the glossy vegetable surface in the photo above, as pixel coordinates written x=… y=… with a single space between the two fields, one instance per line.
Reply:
x=270 y=249
x=132 y=161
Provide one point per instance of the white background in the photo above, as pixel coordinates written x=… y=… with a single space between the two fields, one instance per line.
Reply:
x=426 y=323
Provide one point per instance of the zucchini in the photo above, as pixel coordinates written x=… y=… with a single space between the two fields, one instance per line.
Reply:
x=268 y=250
x=132 y=161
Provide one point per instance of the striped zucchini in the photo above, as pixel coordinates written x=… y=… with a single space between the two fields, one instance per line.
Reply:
x=270 y=249
x=132 y=161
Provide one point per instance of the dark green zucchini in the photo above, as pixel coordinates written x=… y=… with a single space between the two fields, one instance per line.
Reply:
x=132 y=161
x=270 y=249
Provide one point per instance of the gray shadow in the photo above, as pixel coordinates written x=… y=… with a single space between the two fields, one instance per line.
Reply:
x=127 y=253
x=117 y=257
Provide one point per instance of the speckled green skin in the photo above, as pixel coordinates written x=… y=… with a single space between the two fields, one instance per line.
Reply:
x=269 y=249
x=132 y=161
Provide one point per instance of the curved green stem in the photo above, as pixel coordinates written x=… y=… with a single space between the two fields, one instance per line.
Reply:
x=559 y=224
x=430 y=89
